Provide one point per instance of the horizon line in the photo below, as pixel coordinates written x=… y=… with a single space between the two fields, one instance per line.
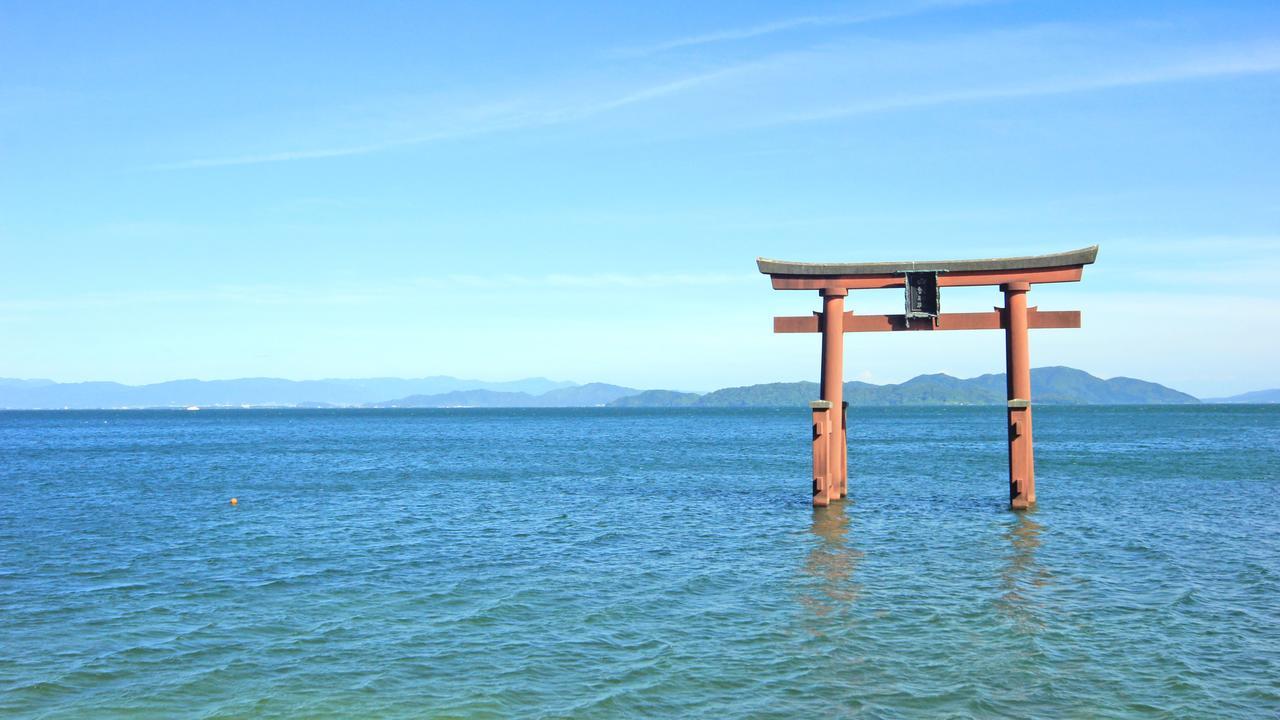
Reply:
x=565 y=384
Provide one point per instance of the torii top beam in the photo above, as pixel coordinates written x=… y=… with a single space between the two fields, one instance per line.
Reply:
x=1056 y=267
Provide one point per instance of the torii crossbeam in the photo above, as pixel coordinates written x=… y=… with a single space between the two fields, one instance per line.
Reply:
x=922 y=282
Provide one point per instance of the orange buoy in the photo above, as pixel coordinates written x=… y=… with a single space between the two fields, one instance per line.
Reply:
x=234 y=501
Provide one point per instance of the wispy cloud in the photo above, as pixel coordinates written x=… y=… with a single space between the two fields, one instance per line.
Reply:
x=794 y=23
x=283 y=156
x=251 y=295
x=832 y=81
x=333 y=152
x=1239 y=265
x=395 y=292
x=653 y=280
x=513 y=116
x=632 y=281
x=1255 y=61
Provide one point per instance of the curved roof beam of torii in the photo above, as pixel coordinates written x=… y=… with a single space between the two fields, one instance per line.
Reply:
x=1073 y=258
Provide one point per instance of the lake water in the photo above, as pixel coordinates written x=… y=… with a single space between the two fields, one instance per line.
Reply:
x=616 y=563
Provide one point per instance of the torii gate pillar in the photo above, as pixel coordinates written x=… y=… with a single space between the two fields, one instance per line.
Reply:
x=1022 y=473
x=832 y=390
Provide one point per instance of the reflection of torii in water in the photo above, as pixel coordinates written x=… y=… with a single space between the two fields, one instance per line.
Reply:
x=921 y=282
x=832 y=562
x=1023 y=572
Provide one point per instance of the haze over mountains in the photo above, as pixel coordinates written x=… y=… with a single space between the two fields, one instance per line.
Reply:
x=40 y=394
x=1052 y=385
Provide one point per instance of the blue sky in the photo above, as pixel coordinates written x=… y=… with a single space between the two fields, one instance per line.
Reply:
x=579 y=192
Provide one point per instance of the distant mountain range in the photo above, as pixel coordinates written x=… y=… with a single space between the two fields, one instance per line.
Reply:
x=1257 y=397
x=46 y=394
x=1052 y=385
x=589 y=395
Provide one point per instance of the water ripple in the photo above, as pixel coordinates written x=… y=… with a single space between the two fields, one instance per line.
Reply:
x=636 y=563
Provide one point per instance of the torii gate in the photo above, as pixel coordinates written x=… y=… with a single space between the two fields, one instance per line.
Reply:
x=922 y=280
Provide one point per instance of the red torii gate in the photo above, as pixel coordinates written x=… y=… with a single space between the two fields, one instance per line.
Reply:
x=922 y=281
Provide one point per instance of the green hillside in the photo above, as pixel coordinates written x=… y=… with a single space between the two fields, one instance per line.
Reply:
x=1050 y=386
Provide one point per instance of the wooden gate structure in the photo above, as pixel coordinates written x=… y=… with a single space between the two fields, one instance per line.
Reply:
x=922 y=282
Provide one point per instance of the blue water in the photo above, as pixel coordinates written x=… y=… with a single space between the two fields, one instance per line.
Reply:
x=620 y=563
